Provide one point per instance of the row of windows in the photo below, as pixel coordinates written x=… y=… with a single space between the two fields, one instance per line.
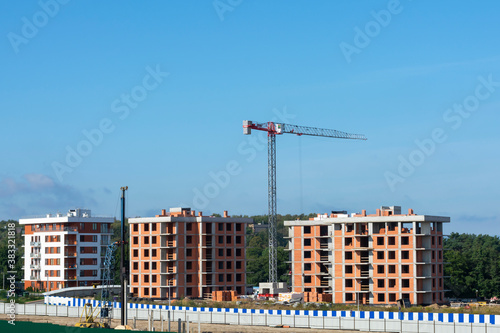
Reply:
x=189 y=252
x=135 y=265
x=220 y=239
x=405 y=283
x=59 y=227
x=189 y=265
x=85 y=273
x=189 y=278
x=145 y=253
x=392 y=269
x=189 y=226
x=88 y=238
x=52 y=261
x=53 y=273
x=86 y=261
x=53 y=238
x=92 y=249
x=189 y=240
x=135 y=240
x=349 y=297
x=405 y=255
x=220 y=226
x=189 y=291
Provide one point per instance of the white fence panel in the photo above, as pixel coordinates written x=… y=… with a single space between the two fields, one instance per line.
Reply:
x=40 y=309
x=246 y=319
x=62 y=311
x=332 y=323
x=260 y=319
x=377 y=325
x=205 y=317
x=301 y=321
x=52 y=310
x=218 y=317
x=489 y=329
x=273 y=320
x=231 y=318
x=288 y=320
x=316 y=322
x=393 y=325
x=30 y=309
x=178 y=314
x=73 y=312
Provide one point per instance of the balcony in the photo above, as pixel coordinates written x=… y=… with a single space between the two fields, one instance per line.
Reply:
x=105 y=242
x=38 y=244
x=168 y=257
x=70 y=242
x=364 y=274
x=37 y=267
x=70 y=266
x=34 y=278
x=168 y=270
x=35 y=255
x=70 y=254
x=169 y=244
x=67 y=277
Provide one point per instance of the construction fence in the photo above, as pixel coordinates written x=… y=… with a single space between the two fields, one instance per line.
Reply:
x=373 y=321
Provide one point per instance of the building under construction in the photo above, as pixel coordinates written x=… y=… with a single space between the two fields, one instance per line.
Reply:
x=370 y=259
x=180 y=253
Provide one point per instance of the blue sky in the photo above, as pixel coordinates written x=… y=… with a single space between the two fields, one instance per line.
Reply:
x=152 y=95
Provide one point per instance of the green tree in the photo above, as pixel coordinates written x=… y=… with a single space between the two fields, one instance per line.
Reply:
x=473 y=263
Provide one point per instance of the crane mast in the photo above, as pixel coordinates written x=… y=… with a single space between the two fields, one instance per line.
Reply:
x=272 y=130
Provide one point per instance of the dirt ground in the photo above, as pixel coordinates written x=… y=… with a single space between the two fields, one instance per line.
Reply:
x=143 y=325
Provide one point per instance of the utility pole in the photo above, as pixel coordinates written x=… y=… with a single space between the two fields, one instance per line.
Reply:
x=123 y=270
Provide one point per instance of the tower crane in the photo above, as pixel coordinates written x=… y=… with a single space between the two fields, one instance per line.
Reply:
x=272 y=130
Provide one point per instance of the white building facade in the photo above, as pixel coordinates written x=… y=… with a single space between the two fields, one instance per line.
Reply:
x=65 y=250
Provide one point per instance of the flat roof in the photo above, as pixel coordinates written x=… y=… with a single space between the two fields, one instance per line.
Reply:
x=66 y=219
x=371 y=219
x=189 y=219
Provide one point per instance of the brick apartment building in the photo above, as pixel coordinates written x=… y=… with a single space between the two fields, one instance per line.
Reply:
x=64 y=250
x=370 y=259
x=180 y=254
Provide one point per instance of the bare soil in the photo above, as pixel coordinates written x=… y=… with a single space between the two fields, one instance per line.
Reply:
x=143 y=326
